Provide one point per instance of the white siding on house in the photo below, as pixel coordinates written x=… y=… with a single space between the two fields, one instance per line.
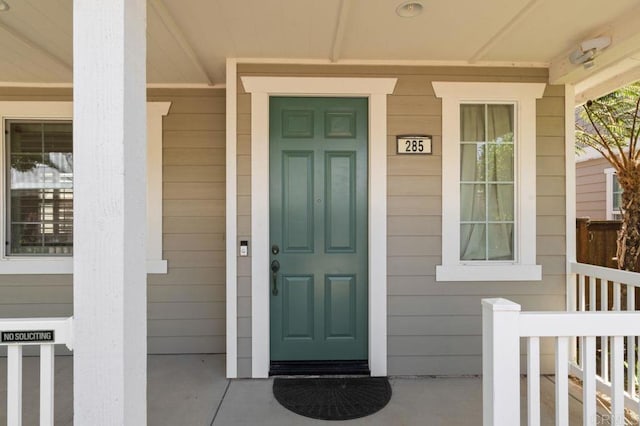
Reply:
x=433 y=328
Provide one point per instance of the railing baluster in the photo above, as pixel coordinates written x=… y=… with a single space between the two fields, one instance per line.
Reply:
x=583 y=307
x=617 y=380
x=604 y=340
x=631 y=347
x=562 y=381
x=617 y=359
x=589 y=381
x=592 y=293
x=583 y=293
x=634 y=367
x=47 y=373
x=533 y=381
x=631 y=299
x=14 y=385
x=616 y=296
x=604 y=295
x=572 y=306
x=572 y=292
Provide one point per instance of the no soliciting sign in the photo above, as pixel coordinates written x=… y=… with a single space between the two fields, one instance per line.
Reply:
x=27 y=336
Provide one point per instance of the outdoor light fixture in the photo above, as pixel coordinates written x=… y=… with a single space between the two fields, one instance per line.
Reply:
x=4 y=6
x=587 y=51
x=409 y=9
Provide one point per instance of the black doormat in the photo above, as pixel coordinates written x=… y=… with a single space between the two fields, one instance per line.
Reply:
x=341 y=398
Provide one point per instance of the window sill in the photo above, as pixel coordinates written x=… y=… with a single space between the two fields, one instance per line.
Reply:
x=59 y=265
x=488 y=273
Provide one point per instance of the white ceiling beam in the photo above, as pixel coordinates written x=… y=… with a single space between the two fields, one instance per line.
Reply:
x=170 y=24
x=338 y=37
x=504 y=30
x=625 y=43
x=25 y=41
x=626 y=72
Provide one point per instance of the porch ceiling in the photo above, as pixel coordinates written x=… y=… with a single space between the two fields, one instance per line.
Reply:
x=188 y=41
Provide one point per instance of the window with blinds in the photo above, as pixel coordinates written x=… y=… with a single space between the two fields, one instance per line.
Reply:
x=39 y=188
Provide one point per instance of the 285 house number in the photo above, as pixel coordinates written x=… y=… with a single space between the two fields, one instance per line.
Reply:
x=413 y=144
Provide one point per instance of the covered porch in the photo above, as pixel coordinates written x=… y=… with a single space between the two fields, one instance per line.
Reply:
x=599 y=386
x=193 y=390
x=171 y=240
x=583 y=383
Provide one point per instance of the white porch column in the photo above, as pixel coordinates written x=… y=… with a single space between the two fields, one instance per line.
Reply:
x=500 y=363
x=109 y=285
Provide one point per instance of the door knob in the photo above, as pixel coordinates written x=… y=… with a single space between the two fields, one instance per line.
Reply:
x=275 y=267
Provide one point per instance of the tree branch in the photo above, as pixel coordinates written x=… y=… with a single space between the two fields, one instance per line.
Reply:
x=634 y=137
x=608 y=127
x=603 y=140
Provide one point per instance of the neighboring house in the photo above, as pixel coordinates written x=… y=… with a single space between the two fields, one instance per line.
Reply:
x=598 y=194
x=287 y=219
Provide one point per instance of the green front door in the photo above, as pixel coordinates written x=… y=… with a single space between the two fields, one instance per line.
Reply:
x=318 y=230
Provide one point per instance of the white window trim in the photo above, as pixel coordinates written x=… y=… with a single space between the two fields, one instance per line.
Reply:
x=64 y=111
x=608 y=178
x=524 y=96
x=376 y=90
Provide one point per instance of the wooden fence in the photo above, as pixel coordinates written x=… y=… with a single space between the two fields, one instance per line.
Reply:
x=596 y=241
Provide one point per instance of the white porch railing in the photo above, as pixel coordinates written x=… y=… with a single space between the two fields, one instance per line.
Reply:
x=46 y=333
x=605 y=289
x=503 y=326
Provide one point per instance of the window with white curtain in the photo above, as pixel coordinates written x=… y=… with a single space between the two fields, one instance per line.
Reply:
x=488 y=181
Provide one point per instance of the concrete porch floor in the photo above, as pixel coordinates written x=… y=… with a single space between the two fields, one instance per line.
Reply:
x=185 y=390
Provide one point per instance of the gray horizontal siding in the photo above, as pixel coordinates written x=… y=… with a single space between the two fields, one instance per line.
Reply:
x=591 y=191
x=433 y=327
x=24 y=296
x=186 y=307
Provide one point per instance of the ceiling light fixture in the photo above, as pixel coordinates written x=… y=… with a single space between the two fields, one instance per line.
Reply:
x=587 y=51
x=4 y=6
x=409 y=9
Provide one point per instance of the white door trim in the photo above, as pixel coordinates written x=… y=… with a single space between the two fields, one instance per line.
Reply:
x=232 y=220
x=376 y=90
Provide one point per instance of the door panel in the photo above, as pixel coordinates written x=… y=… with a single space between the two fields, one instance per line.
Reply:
x=318 y=222
x=297 y=201
x=340 y=215
x=297 y=123
x=340 y=307
x=298 y=303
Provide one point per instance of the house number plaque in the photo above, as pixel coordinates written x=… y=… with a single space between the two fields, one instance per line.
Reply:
x=413 y=144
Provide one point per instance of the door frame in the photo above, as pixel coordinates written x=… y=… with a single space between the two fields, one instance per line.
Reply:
x=376 y=91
